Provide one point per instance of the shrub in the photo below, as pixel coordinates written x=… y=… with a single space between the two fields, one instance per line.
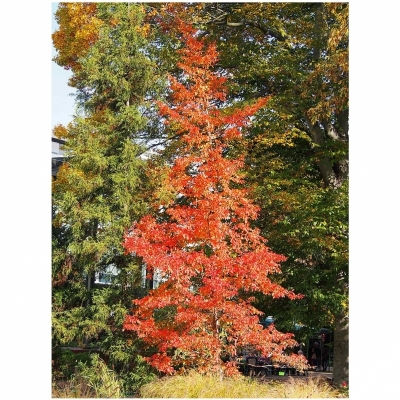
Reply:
x=140 y=375
x=65 y=362
x=93 y=380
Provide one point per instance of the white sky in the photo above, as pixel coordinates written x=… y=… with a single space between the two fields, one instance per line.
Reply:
x=61 y=101
x=33 y=98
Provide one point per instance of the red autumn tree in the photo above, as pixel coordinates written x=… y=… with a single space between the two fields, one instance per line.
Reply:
x=202 y=243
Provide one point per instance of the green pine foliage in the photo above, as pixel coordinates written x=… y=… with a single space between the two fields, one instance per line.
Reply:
x=101 y=188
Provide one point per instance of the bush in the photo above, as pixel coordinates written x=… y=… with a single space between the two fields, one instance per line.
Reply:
x=91 y=380
x=133 y=380
x=194 y=385
x=65 y=362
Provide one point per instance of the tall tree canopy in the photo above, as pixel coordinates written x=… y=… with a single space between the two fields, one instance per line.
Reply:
x=202 y=242
x=297 y=150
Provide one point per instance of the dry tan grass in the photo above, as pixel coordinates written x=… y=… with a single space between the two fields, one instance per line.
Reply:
x=72 y=390
x=194 y=385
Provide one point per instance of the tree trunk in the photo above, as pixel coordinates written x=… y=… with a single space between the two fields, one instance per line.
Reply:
x=341 y=351
x=217 y=356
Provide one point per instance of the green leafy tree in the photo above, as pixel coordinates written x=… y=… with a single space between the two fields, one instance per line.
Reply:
x=299 y=154
x=297 y=150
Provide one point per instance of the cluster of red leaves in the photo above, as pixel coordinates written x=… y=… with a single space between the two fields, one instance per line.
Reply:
x=210 y=257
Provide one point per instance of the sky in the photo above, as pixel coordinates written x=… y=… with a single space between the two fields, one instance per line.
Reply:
x=35 y=97
x=62 y=103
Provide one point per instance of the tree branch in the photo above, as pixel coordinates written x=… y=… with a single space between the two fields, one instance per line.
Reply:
x=223 y=20
x=323 y=161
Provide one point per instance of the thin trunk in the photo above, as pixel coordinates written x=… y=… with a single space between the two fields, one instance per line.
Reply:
x=90 y=278
x=318 y=29
x=217 y=359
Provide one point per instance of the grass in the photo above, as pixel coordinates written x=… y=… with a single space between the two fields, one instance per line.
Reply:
x=78 y=387
x=72 y=390
x=194 y=385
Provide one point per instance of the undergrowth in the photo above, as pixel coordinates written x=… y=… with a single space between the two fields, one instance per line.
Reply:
x=90 y=381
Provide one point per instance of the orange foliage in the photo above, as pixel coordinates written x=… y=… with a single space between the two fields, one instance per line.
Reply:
x=79 y=29
x=209 y=256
